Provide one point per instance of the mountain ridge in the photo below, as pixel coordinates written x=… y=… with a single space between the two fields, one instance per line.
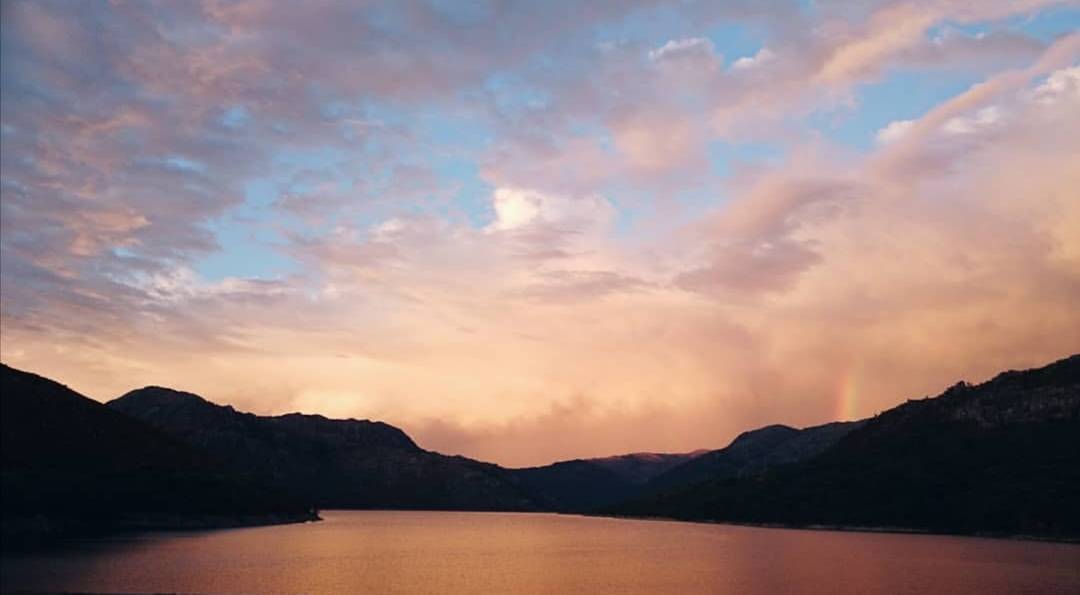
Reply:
x=1000 y=457
x=582 y=485
x=56 y=444
x=752 y=451
x=335 y=463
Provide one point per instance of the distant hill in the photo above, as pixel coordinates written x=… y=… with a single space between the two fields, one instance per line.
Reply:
x=70 y=464
x=1000 y=457
x=752 y=452
x=583 y=485
x=588 y=485
x=334 y=463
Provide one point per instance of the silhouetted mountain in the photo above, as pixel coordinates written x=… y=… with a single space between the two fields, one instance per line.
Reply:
x=335 y=463
x=640 y=467
x=1003 y=456
x=999 y=457
x=752 y=452
x=70 y=464
x=582 y=485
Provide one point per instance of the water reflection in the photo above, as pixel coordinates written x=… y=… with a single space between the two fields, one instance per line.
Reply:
x=442 y=552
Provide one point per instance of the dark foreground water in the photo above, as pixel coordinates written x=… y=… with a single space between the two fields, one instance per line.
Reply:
x=447 y=552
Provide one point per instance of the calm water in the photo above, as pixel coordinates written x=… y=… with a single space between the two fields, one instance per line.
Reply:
x=446 y=552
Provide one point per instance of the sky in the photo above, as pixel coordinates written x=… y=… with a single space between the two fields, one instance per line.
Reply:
x=531 y=231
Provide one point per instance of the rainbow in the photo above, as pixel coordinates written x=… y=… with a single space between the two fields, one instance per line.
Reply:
x=847 y=396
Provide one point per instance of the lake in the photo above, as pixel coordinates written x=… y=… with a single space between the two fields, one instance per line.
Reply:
x=451 y=552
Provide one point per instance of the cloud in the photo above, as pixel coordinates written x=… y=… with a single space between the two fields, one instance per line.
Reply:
x=655 y=141
x=893 y=131
x=514 y=208
x=690 y=47
x=984 y=118
x=763 y=56
x=598 y=279
x=891 y=29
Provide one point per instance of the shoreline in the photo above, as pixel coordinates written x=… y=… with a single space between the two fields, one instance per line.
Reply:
x=41 y=531
x=1073 y=540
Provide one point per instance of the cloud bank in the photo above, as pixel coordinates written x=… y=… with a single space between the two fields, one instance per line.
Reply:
x=529 y=231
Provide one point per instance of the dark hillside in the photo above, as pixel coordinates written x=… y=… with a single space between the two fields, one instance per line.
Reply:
x=1000 y=457
x=70 y=464
x=334 y=463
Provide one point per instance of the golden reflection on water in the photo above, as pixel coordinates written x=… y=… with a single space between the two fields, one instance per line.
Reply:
x=449 y=552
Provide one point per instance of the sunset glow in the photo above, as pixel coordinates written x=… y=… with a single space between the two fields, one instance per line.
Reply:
x=534 y=231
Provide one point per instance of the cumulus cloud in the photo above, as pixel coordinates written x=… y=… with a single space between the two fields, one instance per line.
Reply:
x=893 y=131
x=762 y=56
x=517 y=208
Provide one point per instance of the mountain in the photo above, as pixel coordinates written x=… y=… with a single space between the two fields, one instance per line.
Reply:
x=752 y=452
x=334 y=463
x=587 y=485
x=70 y=464
x=583 y=485
x=1002 y=457
x=638 y=468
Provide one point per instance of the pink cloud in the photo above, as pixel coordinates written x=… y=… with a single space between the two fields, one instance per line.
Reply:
x=949 y=251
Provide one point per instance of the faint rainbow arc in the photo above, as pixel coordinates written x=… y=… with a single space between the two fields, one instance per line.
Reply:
x=847 y=395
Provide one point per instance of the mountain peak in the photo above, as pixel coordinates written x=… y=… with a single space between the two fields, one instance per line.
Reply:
x=71 y=465
x=767 y=433
x=161 y=395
